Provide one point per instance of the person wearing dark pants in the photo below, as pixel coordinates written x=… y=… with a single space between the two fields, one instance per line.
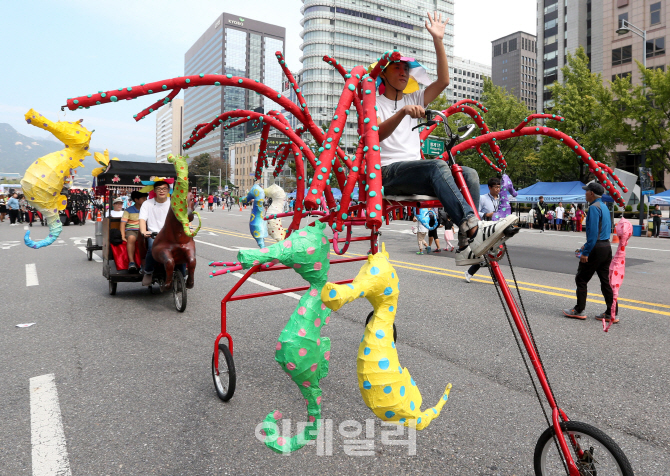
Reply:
x=541 y=210
x=596 y=254
x=656 y=216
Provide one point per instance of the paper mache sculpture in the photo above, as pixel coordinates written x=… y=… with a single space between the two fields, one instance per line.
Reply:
x=387 y=388
x=45 y=178
x=300 y=349
x=257 y=226
x=103 y=159
x=506 y=189
x=624 y=230
x=424 y=215
x=274 y=225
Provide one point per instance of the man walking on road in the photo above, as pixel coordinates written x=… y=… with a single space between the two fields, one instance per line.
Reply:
x=596 y=254
x=540 y=213
x=656 y=216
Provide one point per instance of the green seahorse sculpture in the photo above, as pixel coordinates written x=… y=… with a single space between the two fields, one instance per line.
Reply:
x=179 y=200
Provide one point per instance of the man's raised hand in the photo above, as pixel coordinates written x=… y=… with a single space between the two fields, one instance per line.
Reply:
x=437 y=26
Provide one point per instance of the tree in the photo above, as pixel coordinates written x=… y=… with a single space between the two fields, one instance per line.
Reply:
x=205 y=164
x=582 y=100
x=642 y=113
x=506 y=111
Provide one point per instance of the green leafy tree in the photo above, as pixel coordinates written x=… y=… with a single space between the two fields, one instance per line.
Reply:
x=582 y=100
x=506 y=111
x=642 y=114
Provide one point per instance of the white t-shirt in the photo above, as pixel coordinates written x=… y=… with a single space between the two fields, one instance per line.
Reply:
x=559 y=212
x=404 y=143
x=114 y=213
x=154 y=214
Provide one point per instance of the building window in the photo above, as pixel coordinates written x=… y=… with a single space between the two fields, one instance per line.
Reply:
x=621 y=75
x=622 y=55
x=504 y=46
x=512 y=44
x=497 y=50
x=655 y=13
x=623 y=16
x=656 y=47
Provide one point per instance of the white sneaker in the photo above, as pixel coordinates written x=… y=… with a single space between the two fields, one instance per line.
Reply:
x=489 y=233
x=466 y=257
x=467 y=277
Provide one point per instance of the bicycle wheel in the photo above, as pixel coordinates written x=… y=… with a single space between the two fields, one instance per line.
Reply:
x=593 y=452
x=226 y=378
x=179 y=291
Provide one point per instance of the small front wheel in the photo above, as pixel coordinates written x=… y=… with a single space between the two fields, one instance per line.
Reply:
x=89 y=249
x=179 y=291
x=224 y=377
x=112 y=287
x=593 y=452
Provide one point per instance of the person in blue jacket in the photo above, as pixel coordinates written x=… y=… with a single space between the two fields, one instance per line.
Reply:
x=596 y=254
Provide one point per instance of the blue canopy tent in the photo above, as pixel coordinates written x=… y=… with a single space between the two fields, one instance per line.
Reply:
x=291 y=195
x=660 y=198
x=554 y=192
x=337 y=193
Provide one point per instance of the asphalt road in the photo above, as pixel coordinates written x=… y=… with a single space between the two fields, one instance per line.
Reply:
x=134 y=382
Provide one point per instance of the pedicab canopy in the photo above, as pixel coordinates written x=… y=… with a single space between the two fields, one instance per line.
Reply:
x=132 y=174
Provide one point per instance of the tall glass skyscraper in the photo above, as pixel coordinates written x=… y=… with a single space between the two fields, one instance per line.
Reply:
x=357 y=33
x=237 y=46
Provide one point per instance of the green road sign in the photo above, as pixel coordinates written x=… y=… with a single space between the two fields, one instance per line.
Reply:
x=432 y=147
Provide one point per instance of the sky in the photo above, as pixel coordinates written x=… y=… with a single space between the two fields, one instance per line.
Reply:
x=55 y=50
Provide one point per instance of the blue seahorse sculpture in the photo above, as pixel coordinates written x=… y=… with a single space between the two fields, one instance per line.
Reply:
x=257 y=226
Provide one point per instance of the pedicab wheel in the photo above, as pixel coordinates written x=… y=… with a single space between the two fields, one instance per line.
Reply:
x=112 y=287
x=179 y=291
x=395 y=331
x=89 y=249
x=224 y=382
x=592 y=451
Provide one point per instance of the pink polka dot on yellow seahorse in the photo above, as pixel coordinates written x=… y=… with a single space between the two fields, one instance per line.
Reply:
x=302 y=352
x=302 y=310
x=317 y=322
x=302 y=332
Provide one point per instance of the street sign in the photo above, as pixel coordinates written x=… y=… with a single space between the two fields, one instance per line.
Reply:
x=432 y=147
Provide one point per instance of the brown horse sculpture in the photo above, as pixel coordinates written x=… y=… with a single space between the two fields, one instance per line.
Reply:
x=174 y=243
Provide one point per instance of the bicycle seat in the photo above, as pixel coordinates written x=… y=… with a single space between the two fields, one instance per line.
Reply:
x=410 y=198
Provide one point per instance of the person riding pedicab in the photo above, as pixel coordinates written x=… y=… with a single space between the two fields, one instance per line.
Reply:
x=152 y=219
x=130 y=226
x=400 y=104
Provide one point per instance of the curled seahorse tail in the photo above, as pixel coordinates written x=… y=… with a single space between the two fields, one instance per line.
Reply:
x=55 y=228
x=187 y=229
x=281 y=444
x=430 y=414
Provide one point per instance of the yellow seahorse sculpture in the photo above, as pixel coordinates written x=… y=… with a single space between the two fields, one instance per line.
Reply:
x=387 y=388
x=44 y=179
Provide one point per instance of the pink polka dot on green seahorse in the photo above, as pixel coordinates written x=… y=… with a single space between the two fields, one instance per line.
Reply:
x=278 y=346
x=302 y=332
x=306 y=384
x=264 y=250
x=290 y=366
x=302 y=310
x=303 y=233
x=318 y=400
x=317 y=322
x=327 y=319
x=276 y=415
x=311 y=418
x=323 y=307
x=302 y=352
x=256 y=262
x=317 y=265
x=318 y=342
x=311 y=250
x=326 y=355
x=281 y=441
x=313 y=367
x=313 y=292
x=323 y=239
x=287 y=244
x=297 y=266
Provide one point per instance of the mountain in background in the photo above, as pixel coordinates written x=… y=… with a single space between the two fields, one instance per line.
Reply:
x=18 y=151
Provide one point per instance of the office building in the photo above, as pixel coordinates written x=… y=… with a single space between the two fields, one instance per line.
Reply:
x=357 y=34
x=466 y=79
x=238 y=46
x=169 y=125
x=514 y=66
x=243 y=157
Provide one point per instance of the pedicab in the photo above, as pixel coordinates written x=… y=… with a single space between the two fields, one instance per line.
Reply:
x=566 y=446
x=119 y=178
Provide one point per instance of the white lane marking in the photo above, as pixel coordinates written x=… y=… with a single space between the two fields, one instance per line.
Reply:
x=49 y=452
x=251 y=280
x=95 y=257
x=31 y=275
x=25 y=227
x=5 y=245
x=638 y=248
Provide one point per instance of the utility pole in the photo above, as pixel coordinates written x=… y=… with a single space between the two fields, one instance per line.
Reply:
x=220 y=180
x=209 y=176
